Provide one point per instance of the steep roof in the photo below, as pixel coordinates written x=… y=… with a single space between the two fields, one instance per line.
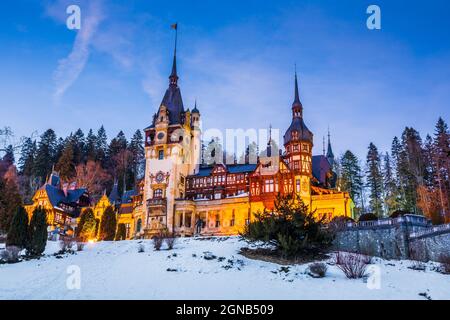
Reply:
x=233 y=168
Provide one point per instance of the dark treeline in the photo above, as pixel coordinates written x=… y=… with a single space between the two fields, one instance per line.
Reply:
x=414 y=176
x=90 y=160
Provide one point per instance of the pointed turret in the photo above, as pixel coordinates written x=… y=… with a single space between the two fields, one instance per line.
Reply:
x=172 y=98
x=330 y=155
x=297 y=131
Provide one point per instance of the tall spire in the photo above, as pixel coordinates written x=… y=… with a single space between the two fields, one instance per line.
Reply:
x=297 y=108
x=297 y=96
x=330 y=155
x=173 y=75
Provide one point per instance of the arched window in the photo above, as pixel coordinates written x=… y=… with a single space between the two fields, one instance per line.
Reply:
x=139 y=225
x=158 y=193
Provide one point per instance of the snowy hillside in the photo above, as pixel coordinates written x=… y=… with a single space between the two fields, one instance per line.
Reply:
x=202 y=269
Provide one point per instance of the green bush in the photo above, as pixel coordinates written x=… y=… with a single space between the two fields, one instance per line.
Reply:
x=121 y=232
x=108 y=225
x=291 y=228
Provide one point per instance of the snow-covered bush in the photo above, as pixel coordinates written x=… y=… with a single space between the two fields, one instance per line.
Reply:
x=10 y=254
x=65 y=244
x=445 y=264
x=80 y=246
x=352 y=264
x=170 y=241
x=317 y=270
x=158 y=241
x=292 y=228
x=141 y=248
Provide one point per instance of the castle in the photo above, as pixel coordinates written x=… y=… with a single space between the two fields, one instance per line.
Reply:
x=177 y=191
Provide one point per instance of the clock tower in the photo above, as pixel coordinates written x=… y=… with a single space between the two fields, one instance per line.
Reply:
x=172 y=152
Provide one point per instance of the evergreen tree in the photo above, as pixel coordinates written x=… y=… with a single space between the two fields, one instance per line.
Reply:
x=88 y=229
x=138 y=156
x=214 y=152
x=45 y=155
x=391 y=197
x=18 y=231
x=121 y=232
x=398 y=163
x=101 y=146
x=350 y=177
x=91 y=141
x=79 y=147
x=65 y=165
x=10 y=201
x=374 y=180
x=108 y=225
x=37 y=233
x=8 y=158
x=412 y=167
x=441 y=154
x=27 y=155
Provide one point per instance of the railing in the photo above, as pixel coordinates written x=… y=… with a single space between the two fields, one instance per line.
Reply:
x=389 y=222
x=156 y=202
x=431 y=230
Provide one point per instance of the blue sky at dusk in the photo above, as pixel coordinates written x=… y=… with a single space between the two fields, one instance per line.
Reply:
x=236 y=58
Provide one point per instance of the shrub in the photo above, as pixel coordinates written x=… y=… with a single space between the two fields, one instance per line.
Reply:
x=80 y=246
x=141 y=248
x=121 y=232
x=170 y=241
x=445 y=263
x=88 y=224
x=65 y=244
x=292 y=228
x=368 y=217
x=352 y=264
x=10 y=254
x=108 y=225
x=317 y=270
x=157 y=242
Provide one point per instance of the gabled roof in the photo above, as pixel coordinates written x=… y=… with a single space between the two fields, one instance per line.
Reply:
x=57 y=196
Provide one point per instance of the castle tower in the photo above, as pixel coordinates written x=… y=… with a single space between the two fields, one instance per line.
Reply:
x=172 y=152
x=298 y=143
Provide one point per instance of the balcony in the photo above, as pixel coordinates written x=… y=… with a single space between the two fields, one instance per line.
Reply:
x=156 y=202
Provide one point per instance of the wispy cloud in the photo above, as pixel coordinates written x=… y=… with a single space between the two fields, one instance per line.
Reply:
x=70 y=68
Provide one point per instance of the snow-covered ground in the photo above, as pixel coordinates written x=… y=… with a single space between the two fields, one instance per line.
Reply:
x=116 y=270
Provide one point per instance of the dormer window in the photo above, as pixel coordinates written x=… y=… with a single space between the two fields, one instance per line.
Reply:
x=295 y=135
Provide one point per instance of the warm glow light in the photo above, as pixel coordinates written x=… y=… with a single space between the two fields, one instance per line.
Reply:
x=91 y=241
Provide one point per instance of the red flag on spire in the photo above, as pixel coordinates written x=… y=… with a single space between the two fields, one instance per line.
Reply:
x=174 y=26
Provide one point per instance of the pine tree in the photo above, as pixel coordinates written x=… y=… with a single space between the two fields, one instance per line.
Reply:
x=101 y=146
x=27 y=156
x=65 y=165
x=79 y=147
x=374 y=180
x=412 y=167
x=442 y=166
x=45 y=155
x=108 y=225
x=214 y=152
x=8 y=158
x=37 y=233
x=18 y=231
x=91 y=140
x=398 y=162
x=350 y=177
x=121 y=232
x=391 y=197
x=138 y=155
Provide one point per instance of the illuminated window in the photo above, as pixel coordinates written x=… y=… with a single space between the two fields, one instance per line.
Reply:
x=157 y=193
x=269 y=186
x=161 y=155
x=297 y=185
